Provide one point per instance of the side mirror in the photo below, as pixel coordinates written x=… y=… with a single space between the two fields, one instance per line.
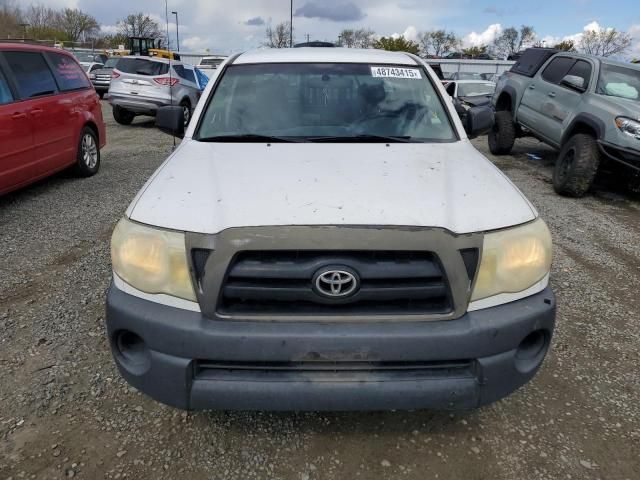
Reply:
x=479 y=121
x=574 y=82
x=171 y=120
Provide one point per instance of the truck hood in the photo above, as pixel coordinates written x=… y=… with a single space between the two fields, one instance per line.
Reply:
x=209 y=187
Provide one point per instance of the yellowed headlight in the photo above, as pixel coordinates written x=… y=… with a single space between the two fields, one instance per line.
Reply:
x=151 y=260
x=513 y=260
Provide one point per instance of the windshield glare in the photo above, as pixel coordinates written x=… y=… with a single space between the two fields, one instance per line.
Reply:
x=326 y=100
x=621 y=82
x=475 y=89
x=111 y=63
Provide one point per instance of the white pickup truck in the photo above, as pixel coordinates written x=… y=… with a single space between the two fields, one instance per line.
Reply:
x=325 y=237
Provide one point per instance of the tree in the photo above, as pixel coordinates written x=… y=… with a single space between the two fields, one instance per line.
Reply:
x=10 y=20
x=139 y=25
x=398 y=44
x=473 y=52
x=76 y=24
x=565 y=46
x=604 y=42
x=438 y=42
x=114 y=41
x=278 y=37
x=511 y=40
x=361 y=38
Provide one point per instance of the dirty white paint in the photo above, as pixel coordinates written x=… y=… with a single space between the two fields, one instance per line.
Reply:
x=209 y=187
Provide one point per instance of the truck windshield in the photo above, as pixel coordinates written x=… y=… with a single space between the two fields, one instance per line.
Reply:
x=617 y=81
x=325 y=102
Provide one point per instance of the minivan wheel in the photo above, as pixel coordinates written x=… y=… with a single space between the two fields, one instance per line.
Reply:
x=503 y=134
x=88 y=156
x=186 y=112
x=576 y=166
x=123 y=116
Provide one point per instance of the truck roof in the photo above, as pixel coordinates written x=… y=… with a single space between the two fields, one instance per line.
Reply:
x=325 y=55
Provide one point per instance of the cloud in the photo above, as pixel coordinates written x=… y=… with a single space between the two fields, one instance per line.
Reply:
x=109 y=29
x=195 y=44
x=487 y=37
x=411 y=33
x=255 y=22
x=341 y=12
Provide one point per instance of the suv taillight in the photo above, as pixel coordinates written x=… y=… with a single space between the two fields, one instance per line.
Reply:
x=166 y=81
x=114 y=74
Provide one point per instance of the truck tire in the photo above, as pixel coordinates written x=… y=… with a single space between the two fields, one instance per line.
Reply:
x=576 y=166
x=503 y=134
x=122 y=116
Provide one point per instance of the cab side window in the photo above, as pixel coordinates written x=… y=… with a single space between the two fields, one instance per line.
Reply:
x=5 y=93
x=581 y=70
x=32 y=74
x=69 y=74
x=557 y=69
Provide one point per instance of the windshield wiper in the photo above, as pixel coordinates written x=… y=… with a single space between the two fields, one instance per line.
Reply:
x=363 y=138
x=251 y=138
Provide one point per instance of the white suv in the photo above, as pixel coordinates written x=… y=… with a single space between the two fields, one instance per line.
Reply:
x=325 y=237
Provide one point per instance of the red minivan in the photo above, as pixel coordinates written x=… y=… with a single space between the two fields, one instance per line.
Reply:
x=50 y=116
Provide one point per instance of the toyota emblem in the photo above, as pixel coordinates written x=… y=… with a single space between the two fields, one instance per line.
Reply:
x=336 y=283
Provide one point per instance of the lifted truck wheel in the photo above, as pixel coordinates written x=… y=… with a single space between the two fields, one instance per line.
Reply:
x=576 y=166
x=122 y=116
x=503 y=134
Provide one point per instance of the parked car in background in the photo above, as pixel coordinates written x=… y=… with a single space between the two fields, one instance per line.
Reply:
x=346 y=247
x=50 y=116
x=101 y=77
x=466 y=76
x=467 y=94
x=91 y=67
x=585 y=106
x=490 y=77
x=86 y=58
x=141 y=85
x=211 y=62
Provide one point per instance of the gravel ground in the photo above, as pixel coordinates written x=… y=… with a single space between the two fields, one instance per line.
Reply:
x=65 y=411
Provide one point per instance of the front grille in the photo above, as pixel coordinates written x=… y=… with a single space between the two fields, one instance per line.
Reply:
x=346 y=370
x=103 y=78
x=283 y=283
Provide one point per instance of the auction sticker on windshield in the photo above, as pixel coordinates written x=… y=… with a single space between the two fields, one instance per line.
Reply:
x=396 y=72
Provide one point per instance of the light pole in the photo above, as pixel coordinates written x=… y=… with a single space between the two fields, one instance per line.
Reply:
x=177 y=30
x=291 y=27
x=24 y=32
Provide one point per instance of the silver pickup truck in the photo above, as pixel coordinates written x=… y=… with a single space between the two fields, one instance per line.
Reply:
x=585 y=106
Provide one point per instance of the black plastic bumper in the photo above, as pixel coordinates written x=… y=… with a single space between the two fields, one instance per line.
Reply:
x=186 y=360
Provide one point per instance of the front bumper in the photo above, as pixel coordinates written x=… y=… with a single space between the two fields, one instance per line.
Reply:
x=627 y=157
x=186 y=360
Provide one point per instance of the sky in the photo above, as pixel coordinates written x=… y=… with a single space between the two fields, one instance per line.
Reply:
x=227 y=26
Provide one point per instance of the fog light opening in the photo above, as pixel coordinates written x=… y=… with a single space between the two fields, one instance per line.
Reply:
x=132 y=351
x=531 y=351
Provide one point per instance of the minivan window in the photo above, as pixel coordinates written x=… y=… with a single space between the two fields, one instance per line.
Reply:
x=326 y=101
x=5 y=92
x=557 y=69
x=69 y=74
x=139 y=66
x=32 y=74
